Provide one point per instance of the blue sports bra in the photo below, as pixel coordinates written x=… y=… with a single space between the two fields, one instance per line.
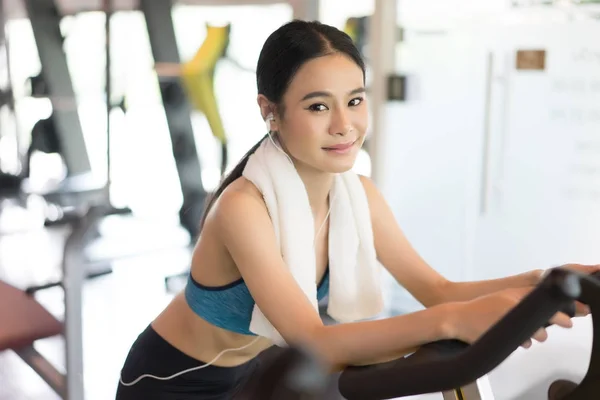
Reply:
x=230 y=306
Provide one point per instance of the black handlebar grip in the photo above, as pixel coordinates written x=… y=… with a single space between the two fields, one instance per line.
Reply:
x=444 y=366
x=570 y=309
x=560 y=389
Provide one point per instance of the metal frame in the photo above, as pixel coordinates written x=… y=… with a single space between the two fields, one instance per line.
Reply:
x=48 y=372
x=80 y=187
x=73 y=277
x=478 y=390
x=161 y=32
x=69 y=385
x=45 y=23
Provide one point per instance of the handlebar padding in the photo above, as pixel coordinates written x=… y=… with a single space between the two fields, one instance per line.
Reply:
x=450 y=364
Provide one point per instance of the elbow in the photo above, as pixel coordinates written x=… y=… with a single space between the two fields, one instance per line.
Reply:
x=322 y=344
x=318 y=341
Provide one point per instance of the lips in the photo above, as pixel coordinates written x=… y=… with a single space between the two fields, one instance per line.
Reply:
x=341 y=146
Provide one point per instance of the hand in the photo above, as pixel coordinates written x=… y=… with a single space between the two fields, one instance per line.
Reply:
x=581 y=310
x=584 y=269
x=473 y=318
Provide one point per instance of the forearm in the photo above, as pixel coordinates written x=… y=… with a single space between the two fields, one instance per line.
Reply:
x=380 y=340
x=465 y=291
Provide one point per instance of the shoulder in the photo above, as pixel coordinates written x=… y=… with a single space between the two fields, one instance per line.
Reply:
x=379 y=208
x=367 y=183
x=241 y=202
x=374 y=196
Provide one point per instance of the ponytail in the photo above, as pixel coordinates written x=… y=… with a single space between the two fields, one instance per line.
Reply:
x=235 y=173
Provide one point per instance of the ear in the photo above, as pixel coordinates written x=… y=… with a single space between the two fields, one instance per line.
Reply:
x=267 y=109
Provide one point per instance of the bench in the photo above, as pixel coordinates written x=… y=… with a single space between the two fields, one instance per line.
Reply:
x=23 y=321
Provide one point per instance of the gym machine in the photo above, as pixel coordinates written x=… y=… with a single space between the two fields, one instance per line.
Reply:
x=451 y=367
x=27 y=321
x=185 y=87
x=159 y=23
x=459 y=370
x=62 y=132
x=11 y=176
x=189 y=87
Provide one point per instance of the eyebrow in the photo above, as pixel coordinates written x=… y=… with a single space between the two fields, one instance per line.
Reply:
x=312 y=95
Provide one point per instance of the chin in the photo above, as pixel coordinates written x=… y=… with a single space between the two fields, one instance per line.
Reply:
x=339 y=167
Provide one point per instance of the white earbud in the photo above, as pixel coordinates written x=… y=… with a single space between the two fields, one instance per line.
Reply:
x=268 y=121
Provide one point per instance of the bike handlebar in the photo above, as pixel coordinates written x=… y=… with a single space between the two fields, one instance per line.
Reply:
x=450 y=364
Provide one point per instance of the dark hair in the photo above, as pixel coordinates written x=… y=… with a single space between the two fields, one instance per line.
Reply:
x=282 y=55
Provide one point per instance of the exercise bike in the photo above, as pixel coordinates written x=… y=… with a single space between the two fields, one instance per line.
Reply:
x=451 y=367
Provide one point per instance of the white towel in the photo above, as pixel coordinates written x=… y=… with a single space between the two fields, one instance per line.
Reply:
x=354 y=273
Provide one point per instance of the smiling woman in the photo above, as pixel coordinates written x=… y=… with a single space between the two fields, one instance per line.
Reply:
x=206 y=344
x=311 y=93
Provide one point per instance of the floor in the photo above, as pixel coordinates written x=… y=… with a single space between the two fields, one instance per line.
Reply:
x=116 y=307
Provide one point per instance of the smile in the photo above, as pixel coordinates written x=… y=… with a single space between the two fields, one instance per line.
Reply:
x=341 y=148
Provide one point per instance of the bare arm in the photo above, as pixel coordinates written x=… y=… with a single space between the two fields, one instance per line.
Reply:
x=464 y=291
x=398 y=256
x=412 y=272
x=460 y=290
x=246 y=230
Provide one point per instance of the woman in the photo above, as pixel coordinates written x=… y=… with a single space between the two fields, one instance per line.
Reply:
x=311 y=93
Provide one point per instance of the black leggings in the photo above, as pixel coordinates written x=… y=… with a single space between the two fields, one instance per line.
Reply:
x=151 y=354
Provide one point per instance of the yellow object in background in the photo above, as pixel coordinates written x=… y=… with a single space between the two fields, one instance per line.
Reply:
x=351 y=28
x=198 y=74
x=357 y=29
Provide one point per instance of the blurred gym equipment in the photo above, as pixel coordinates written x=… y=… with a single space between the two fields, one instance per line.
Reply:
x=11 y=171
x=357 y=29
x=451 y=367
x=187 y=85
x=161 y=32
x=459 y=370
x=62 y=133
x=198 y=76
x=26 y=321
x=291 y=374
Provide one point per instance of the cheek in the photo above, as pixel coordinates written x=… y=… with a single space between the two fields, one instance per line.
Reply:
x=303 y=130
x=361 y=120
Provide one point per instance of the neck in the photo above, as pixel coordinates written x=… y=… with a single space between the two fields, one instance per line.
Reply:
x=318 y=185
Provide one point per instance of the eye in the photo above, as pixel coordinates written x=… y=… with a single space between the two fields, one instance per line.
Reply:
x=356 y=101
x=317 y=107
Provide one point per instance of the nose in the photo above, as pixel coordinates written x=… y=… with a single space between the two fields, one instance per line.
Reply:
x=340 y=123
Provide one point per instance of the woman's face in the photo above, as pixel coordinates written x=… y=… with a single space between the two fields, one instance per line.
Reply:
x=326 y=115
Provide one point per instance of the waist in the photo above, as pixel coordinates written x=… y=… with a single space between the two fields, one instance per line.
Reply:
x=198 y=338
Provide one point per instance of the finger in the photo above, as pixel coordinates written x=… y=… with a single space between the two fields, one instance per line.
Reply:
x=540 y=335
x=526 y=344
x=562 y=319
x=590 y=269
x=581 y=309
x=584 y=268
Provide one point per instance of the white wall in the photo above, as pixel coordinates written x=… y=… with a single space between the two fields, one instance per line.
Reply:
x=436 y=139
x=546 y=177
x=431 y=147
